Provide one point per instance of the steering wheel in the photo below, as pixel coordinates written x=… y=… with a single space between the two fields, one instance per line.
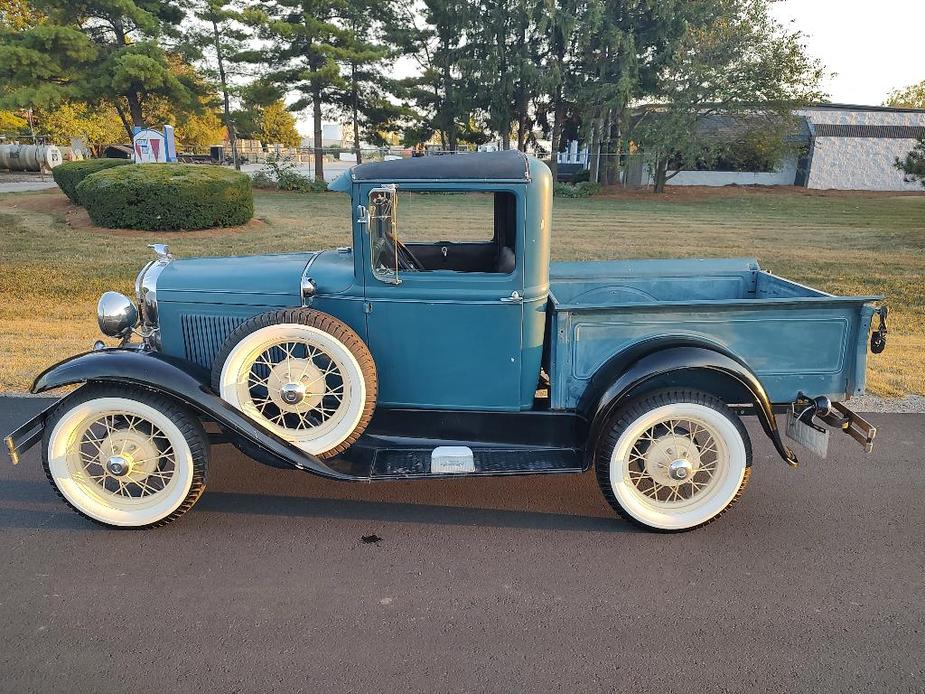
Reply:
x=406 y=259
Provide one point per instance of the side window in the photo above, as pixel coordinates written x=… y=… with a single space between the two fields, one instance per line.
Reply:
x=459 y=231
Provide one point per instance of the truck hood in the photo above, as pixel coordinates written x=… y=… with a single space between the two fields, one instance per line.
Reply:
x=264 y=280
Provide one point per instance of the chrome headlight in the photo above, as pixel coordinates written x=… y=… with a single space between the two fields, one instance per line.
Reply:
x=116 y=314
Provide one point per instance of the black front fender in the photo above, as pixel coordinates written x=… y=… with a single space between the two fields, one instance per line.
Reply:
x=682 y=363
x=185 y=382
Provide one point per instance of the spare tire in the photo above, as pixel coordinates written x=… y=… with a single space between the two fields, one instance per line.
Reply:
x=302 y=374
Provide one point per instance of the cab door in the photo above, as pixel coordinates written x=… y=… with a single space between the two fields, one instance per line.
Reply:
x=446 y=338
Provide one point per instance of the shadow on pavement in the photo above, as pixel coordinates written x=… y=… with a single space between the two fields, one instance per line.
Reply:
x=304 y=507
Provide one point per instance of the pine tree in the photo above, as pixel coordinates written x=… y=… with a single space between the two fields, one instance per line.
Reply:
x=302 y=40
x=364 y=99
x=97 y=51
x=221 y=40
x=434 y=38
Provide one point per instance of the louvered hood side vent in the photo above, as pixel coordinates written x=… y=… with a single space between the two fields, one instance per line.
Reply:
x=203 y=336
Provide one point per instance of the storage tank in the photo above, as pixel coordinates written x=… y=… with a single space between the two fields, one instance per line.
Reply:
x=29 y=157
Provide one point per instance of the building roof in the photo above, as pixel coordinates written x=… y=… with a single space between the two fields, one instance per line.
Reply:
x=860 y=107
x=510 y=165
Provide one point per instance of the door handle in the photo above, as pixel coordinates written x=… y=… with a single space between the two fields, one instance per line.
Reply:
x=514 y=298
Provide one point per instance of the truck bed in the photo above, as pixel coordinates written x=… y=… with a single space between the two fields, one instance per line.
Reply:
x=794 y=337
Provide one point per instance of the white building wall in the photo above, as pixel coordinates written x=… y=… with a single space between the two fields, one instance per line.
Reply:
x=784 y=176
x=860 y=163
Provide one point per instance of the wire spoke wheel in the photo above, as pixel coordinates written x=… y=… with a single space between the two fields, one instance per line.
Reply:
x=125 y=458
x=305 y=376
x=296 y=385
x=676 y=460
x=123 y=455
x=673 y=460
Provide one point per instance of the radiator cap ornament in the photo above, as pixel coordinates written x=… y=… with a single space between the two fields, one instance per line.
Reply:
x=161 y=250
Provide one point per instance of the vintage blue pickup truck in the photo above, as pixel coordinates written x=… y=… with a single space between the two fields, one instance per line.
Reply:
x=463 y=353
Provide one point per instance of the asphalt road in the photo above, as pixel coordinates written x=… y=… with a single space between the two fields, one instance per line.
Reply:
x=814 y=582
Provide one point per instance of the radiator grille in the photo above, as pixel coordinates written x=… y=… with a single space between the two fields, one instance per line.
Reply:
x=203 y=336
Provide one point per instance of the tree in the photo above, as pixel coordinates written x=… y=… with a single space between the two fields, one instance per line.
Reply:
x=268 y=121
x=910 y=97
x=742 y=64
x=364 y=97
x=433 y=35
x=96 y=51
x=95 y=125
x=557 y=25
x=301 y=40
x=17 y=14
x=621 y=49
x=277 y=126
x=223 y=40
x=913 y=165
x=11 y=123
x=502 y=65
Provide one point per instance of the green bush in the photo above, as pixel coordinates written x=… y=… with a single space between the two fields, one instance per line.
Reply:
x=282 y=175
x=71 y=173
x=585 y=189
x=167 y=196
x=294 y=181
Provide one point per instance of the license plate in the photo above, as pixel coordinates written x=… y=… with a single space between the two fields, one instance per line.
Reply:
x=816 y=441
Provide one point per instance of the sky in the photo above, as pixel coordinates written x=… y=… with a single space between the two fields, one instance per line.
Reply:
x=872 y=46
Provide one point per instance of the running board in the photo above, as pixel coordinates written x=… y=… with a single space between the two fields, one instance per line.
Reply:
x=446 y=461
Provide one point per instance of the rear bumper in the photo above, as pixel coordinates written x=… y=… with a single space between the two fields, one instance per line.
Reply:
x=807 y=414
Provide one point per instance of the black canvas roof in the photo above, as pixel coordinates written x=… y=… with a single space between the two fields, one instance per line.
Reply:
x=509 y=165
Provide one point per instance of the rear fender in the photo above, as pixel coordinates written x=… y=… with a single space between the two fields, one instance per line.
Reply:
x=185 y=382
x=688 y=365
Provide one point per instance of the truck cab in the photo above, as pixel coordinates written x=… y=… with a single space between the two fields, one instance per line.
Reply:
x=454 y=259
x=444 y=343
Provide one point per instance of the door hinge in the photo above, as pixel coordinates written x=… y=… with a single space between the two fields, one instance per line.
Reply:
x=367 y=307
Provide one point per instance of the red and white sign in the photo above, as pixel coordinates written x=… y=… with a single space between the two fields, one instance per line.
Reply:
x=149 y=147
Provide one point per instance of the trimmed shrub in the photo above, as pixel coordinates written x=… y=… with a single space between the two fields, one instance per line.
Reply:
x=69 y=174
x=167 y=196
x=585 y=189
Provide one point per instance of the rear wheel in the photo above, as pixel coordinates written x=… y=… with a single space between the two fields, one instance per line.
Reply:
x=302 y=374
x=673 y=460
x=125 y=457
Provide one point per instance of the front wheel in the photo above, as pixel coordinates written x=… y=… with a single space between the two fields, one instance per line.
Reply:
x=673 y=460
x=125 y=457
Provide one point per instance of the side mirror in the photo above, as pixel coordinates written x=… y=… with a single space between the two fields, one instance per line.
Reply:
x=363 y=215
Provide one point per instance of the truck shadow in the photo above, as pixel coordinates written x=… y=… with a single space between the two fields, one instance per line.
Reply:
x=400 y=512
x=33 y=504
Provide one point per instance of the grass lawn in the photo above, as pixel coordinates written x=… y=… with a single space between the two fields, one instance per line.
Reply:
x=54 y=265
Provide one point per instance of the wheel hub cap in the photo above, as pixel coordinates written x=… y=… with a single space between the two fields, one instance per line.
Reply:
x=680 y=469
x=119 y=465
x=292 y=393
x=672 y=459
x=296 y=385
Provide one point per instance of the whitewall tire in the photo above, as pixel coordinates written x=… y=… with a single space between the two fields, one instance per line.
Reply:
x=673 y=460
x=125 y=457
x=302 y=374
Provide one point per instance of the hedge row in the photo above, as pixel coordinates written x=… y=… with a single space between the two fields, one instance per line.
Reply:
x=167 y=197
x=69 y=174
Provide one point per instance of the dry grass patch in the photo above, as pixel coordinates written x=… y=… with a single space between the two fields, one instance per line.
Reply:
x=53 y=267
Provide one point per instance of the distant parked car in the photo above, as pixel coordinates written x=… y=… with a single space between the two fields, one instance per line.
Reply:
x=396 y=361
